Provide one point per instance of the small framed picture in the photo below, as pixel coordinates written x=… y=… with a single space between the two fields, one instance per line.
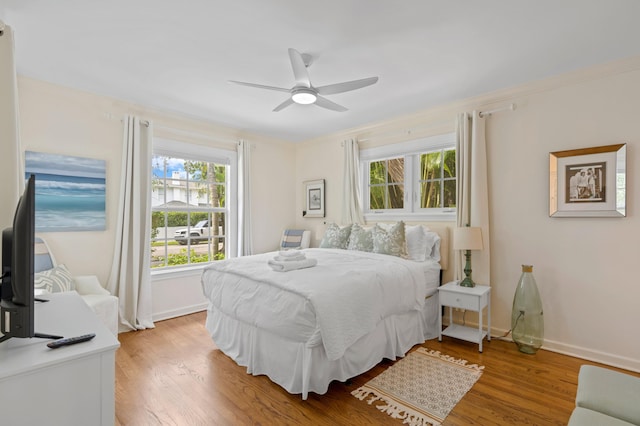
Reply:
x=314 y=193
x=588 y=182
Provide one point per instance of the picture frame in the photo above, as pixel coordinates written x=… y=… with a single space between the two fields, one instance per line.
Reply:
x=588 y=182
x=314 y=195
x=70 y=192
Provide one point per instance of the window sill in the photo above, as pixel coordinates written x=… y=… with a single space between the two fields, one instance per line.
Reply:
x=177 y=271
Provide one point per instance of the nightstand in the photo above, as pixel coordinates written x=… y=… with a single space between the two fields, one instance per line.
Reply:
x=469 y=298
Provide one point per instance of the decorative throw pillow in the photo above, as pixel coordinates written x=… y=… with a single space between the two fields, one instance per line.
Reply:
x=54 y=280
x=360 y=239
x=336 y=237
x=390 y=241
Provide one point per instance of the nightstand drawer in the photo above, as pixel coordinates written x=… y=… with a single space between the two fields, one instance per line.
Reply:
x=459 y=300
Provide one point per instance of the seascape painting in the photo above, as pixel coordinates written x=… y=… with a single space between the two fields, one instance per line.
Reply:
x=70 y=192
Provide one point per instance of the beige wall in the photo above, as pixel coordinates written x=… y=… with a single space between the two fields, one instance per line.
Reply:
x=583 y=266
x=59 y=120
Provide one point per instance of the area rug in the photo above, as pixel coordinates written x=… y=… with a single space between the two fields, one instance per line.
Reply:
x=422 y=388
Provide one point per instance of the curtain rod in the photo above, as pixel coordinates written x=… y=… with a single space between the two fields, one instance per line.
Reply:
x=408 y=132
x=483 y=114
x=175 y=131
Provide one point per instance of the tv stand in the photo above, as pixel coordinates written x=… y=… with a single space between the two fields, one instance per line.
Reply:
x=71 y=385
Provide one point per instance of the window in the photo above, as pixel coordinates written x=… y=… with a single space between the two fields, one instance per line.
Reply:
x=191 y=198
x=414 y=180
x=438 y=179
x=386 y=184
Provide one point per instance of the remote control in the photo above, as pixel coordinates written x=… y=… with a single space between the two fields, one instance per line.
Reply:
x=70 y=340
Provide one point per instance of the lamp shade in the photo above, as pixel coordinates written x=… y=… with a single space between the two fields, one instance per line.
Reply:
x=467 y=238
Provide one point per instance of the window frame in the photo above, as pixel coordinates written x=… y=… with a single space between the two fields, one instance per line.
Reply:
x=411 y=151
x=189 y=151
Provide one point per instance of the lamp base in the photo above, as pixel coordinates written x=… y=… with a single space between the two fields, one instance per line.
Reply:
x=467 y=282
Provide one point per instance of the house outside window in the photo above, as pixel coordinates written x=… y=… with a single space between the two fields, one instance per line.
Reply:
x=192 y=196
x=413 y=180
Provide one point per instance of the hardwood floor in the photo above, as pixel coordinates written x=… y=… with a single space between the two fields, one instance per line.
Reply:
x=175 y=375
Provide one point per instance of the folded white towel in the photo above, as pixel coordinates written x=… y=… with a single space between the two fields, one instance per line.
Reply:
x=290 y=253
x=299 y=256
x=291 y=265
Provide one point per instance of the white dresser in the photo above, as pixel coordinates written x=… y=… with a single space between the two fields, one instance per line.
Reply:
x=71 y=385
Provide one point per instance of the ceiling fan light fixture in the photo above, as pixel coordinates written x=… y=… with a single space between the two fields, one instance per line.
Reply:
x=304 y=96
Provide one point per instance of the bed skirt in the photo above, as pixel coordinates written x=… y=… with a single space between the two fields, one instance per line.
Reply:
x=300 y=368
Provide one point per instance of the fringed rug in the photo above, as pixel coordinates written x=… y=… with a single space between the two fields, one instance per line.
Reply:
x=422 y=388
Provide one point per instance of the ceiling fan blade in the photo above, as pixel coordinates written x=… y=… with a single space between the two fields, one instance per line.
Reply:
x=326 y=103
x=347 y=86
x=299 y=68
x=283 y=105
x=261 y=86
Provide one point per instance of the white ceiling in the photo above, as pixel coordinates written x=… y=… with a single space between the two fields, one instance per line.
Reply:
x=178 y=56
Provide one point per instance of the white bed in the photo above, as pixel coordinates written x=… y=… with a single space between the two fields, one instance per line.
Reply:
x=308 y=327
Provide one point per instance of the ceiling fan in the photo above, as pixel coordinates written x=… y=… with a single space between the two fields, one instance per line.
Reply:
x=304 y=92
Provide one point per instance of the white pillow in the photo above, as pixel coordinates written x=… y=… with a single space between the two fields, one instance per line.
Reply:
x=433 y=245
x=417 y=243
x=422 y=244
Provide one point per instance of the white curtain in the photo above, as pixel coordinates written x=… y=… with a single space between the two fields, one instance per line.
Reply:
x=245 y=245
x=351 y=204
x=473 y=192
x=11 y=165
x=130 y=277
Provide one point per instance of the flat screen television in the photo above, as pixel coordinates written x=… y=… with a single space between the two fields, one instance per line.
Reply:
x=17 y=300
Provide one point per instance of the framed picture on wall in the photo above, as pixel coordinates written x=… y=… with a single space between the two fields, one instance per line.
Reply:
x=314 y=194
x=70 y=192
x=588 y=182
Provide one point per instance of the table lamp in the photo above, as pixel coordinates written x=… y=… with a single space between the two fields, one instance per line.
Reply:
x=467 y=238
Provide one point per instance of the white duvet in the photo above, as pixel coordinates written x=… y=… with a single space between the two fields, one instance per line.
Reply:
x=336 y=302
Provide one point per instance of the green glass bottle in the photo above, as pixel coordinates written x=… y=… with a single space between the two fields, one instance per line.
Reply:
x=527 y=321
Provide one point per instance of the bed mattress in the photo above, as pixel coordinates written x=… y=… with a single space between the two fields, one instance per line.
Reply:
x=333 y=304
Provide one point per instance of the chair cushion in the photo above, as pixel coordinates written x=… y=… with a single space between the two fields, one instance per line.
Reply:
x=585 y=417
x=105 y=308
x=89 y=284
x=609 y=392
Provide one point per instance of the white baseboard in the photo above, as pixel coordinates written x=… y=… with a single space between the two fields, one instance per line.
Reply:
x=580 y=352
x=595 y=356
x=184 y=310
